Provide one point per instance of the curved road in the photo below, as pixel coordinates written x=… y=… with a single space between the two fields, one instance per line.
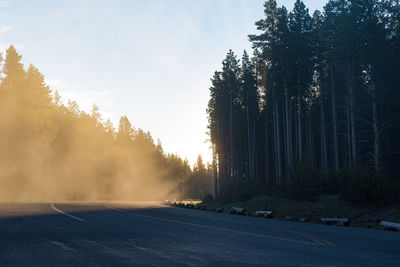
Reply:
x=149 y=234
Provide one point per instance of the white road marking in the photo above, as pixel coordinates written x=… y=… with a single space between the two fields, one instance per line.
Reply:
x=66 y=214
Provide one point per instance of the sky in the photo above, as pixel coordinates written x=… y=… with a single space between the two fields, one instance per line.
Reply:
x=149 y=60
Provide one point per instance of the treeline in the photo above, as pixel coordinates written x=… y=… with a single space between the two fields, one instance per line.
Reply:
x=52 y=151
x=316 y=109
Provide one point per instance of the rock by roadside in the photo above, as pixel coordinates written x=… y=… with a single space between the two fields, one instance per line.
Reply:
x=326 y=206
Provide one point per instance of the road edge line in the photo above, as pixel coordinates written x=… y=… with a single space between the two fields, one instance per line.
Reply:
x=66 y=214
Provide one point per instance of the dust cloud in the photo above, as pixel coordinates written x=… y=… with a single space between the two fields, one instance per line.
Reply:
x=55 y=152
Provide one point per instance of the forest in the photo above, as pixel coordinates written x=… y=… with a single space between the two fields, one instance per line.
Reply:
x=315 y=109
x=52 y=151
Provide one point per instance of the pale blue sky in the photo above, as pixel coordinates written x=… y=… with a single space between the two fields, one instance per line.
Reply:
x=150 y=60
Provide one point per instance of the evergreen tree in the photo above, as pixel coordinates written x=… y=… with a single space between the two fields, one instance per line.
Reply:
x=328 y=99
x=250 y=104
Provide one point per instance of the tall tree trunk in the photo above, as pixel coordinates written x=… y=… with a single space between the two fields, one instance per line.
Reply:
x=323 y=135
x=299 y=124
x=290 y=134
x=253 y=149
x=286 y=129
x=215 y=172
x=296 y=129
x=231 y=153
x=335 y=138
x=254 y=153
x=221 y=157
x=250 y=144
x=277 y=143
x=310 y=141
x=348 y=137
x=256 y=159
x=375 y=123
x=266 y=147
x=351 y=109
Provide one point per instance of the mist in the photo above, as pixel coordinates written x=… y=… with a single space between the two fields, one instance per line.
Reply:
x=56 y=152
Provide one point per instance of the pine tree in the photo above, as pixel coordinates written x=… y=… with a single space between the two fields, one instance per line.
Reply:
x=125 y=131
x=250 y=103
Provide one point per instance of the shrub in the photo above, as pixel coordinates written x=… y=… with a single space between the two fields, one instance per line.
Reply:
x=302 y=183
x=208 y=198
x=362 y=185
x=240 y=191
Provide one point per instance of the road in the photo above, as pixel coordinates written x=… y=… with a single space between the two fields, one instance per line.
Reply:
x=149 y=234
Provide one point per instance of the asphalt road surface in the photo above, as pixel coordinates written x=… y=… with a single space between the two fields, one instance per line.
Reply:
x=149 y=234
